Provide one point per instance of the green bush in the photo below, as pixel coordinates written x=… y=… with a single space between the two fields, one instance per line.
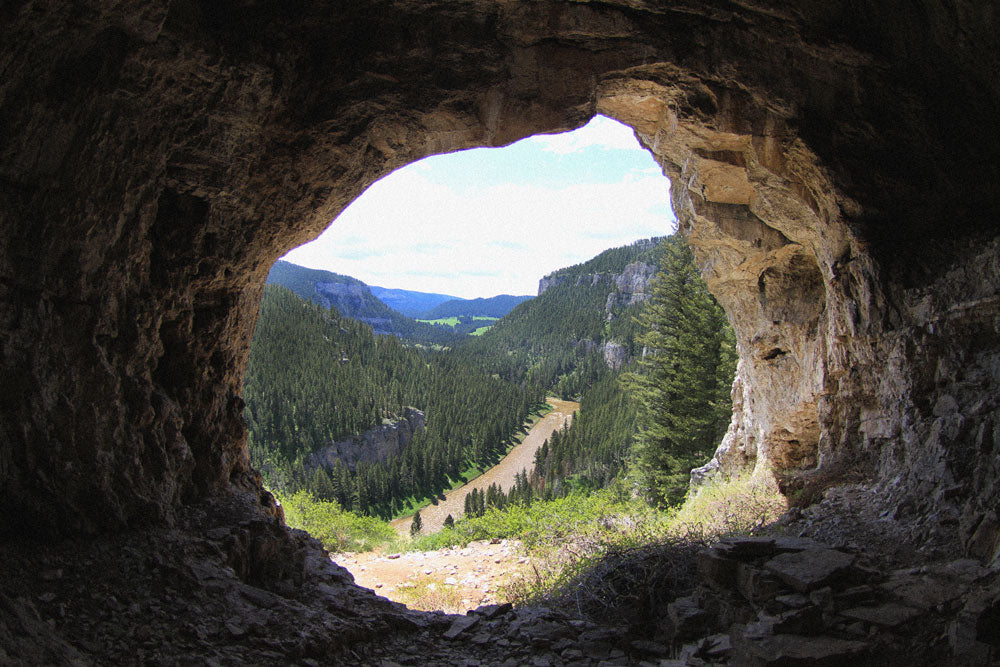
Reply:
x=739 y=505
x=337 y=529
x=546 y=522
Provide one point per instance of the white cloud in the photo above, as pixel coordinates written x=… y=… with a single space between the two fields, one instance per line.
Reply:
x=600 y=132
x=409 y=231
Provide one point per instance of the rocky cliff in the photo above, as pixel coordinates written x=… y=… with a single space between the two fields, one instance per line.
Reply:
x=631 y=287
x=376 y=444
x=832 y=163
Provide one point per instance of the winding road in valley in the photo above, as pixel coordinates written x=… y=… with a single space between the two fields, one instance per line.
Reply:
x=522 y=457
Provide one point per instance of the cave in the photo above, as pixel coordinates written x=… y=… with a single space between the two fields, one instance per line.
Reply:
x=832 y=164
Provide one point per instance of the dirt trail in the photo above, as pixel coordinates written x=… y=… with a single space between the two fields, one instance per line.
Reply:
x=454 y=580
x=520 y=458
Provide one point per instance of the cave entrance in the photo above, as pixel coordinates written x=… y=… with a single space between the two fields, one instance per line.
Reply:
x=474 y=224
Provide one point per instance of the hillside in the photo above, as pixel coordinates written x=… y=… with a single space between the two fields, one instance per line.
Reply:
x=495 y=306
x=580 y=324
x=352 y=298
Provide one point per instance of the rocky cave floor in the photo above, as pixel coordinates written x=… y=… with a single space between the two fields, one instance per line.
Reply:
x=839 y=583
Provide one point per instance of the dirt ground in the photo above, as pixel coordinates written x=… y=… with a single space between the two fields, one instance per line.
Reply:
x=522 y=457
x=454 y=580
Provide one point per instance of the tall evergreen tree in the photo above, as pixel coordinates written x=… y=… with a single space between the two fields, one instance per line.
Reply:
x=685 y=377
x=417 y=525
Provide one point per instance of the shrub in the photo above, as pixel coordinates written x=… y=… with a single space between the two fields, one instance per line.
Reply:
x=336 y=528
x=430 y=594
x=740 y=505
x=623 y=559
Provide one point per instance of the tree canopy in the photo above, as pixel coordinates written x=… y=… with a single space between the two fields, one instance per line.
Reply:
x=684 y=379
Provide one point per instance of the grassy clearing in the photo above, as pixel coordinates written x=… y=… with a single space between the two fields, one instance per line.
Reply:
x=633 y=558
x=599 y=555
x=447 y=321
x=741 y=505
x=606 y=553
x=430 y=594
x=480 y=331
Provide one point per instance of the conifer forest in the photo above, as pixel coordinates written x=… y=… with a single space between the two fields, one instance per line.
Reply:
x=330 y=402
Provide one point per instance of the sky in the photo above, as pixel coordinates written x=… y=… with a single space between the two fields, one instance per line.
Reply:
x=490 y=221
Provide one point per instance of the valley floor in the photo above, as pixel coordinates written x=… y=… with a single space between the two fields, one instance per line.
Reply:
x=522 y=457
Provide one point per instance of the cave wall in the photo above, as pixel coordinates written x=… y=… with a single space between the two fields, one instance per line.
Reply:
x=831 y=162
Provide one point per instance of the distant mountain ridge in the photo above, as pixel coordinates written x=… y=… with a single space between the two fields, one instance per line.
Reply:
x=495 y=306
x=409 y=302
x=352 y=298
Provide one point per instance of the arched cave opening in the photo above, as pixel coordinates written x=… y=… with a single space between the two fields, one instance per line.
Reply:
x=157 y=159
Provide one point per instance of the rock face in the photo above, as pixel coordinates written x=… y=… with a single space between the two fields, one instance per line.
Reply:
x=831 y=163
x=632 y=284
x=376 y=444
x=615 y=354
x=628 y=288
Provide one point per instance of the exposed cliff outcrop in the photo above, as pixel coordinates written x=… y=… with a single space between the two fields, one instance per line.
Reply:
x=832 y=164
x=376 y=444
x=631 y=287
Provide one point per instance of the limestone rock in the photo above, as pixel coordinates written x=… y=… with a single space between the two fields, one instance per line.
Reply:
x=615 y=354
x=376 y=444
x=460 y=625
x=888 y=615
x=797 y=650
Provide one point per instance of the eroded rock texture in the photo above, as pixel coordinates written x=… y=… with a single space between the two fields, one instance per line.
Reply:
x=833 y=163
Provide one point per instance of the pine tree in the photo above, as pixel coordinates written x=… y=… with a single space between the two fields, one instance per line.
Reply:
x=449 y=522
x=417 y=525
x=685 y=376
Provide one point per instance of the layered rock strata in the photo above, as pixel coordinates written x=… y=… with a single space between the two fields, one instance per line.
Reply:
x=376 y=444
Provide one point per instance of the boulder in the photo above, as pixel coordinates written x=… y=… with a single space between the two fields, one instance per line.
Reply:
x=811 y=569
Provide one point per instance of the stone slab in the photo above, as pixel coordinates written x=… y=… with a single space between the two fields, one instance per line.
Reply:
x=808 y=570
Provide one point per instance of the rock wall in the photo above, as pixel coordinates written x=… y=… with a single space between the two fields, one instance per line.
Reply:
x=831 y=163
x=632 y=283
x=376 y=444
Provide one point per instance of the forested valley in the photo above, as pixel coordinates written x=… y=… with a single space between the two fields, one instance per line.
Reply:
x=315 y=377
x=651 y=361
